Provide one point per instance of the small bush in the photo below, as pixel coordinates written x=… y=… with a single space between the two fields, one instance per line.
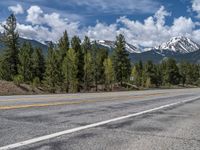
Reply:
x=36 y=82
x=148 y=83
x=18 y=79
x=198 y=82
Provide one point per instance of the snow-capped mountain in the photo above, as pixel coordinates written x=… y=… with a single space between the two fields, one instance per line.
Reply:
x=111 y=44
x=179 y=44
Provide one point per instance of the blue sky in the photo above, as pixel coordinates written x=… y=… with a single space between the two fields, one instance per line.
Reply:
x=106 y=11
x=144 y=23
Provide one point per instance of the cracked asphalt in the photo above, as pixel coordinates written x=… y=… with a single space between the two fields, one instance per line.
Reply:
x=171 y=128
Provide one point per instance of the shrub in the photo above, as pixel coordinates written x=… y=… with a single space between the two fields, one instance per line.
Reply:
x=36 y=82
x=18 y=79
x=148 y=83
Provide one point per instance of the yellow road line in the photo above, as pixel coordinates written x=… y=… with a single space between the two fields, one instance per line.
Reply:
x=50 y=97
x=70 y=102
x=37 y=98
x=41 y=105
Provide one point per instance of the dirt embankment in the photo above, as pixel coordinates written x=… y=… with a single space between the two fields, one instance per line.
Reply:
x=9 y=88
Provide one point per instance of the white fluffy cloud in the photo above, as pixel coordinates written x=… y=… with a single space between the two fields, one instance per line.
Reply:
x=150 y=32
x=160 y=16
x=183 y=26
x=46 y=27
x=102 y=31
x=18 y=9
x=196 y=7
x=35 y=15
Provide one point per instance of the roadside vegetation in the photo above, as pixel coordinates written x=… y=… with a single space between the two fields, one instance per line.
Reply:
x=75 y=66
x=167 y=74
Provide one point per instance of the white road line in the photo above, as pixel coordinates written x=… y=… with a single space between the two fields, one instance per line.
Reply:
x=54 y=135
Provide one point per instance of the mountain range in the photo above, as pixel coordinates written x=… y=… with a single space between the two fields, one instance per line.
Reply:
x=179 y=44
x=34 y=43
x=180 y=48
x=111 y=45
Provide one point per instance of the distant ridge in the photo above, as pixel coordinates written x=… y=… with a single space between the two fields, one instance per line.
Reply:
x=180 y=48
x=178 y=44
x=34 y=43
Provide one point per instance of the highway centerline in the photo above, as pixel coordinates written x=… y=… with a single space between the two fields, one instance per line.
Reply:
x=65 y=132
x=52 y=97
x=71 y=102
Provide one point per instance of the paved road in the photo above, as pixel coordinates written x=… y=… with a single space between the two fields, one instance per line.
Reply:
x=146 y=120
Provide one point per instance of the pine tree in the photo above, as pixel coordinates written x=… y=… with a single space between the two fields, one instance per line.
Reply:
x=88 y=71
x=135 y=76
x=66 y=71
x=95 y=65
x=158 y=80
x=109 y=73
x=171 y=72
x=163 y=67
x=38 y=64
x=192 y=74
x=63 y=47
x=98 y=59
x=98 y=56
x=140 y=72
x=76 y=45
x=86 y=45
x=70 y=70
x=4 y=70
x=121 y=61
x=183 y=68
x=196 y=74
x=25 y=63
x=10 y=40
x=137 y=73
x=150 y=73
x=88 y=64
x=52 y=70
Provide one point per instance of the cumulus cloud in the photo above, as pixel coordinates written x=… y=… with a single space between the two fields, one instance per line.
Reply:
x=196 y=7
x=102 y=31
x=35 y=15
x=160 y=16
x=148 y=33
x=46 y=26
x=182 y=26
x=18 y=9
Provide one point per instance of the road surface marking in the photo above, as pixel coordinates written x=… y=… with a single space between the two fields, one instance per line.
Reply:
x=52 y=97
x=43 y=105
x=70 y=102
x=54 y=135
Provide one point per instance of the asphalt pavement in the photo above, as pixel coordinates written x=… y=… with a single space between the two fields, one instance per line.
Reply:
x=135 y=120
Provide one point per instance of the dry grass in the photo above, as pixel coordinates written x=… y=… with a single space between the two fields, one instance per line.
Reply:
x=9 y=88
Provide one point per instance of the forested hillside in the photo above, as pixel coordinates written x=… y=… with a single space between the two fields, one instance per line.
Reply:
x=75 y=66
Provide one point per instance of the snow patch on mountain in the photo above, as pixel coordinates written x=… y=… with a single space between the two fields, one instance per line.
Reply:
x=179 y=44
x=111 y=44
